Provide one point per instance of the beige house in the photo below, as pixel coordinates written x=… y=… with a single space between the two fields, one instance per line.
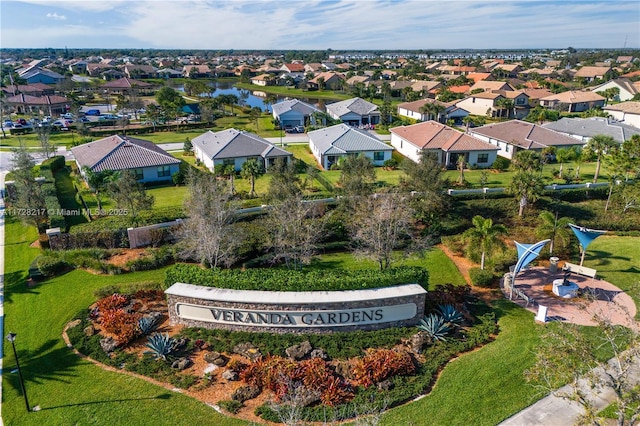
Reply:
x=628 y=89
x=414 y=110
x=573 y=101
x=626 y=112
x=592 y=73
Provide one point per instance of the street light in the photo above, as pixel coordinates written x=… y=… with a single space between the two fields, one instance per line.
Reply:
x=12 y=338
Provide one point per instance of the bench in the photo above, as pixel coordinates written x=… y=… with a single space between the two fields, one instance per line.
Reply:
x=580 y=270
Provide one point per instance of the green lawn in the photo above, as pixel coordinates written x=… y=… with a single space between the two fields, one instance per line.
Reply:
x=296 y=93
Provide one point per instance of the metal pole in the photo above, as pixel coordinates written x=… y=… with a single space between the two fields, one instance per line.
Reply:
x=24 y=390
x=582 y=257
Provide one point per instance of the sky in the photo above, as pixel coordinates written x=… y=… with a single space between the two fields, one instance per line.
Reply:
x=319 y=24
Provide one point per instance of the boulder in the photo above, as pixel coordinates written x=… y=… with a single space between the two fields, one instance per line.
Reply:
x=418 y=341
x=248 y=350
x=180 y=344
x=230 y=375
x=244 y=393
x=216 y=358
x=108 y=344
x=181 y=364
x=385 y=385
x=298 y=352
x=319 y=353
x=89 y=330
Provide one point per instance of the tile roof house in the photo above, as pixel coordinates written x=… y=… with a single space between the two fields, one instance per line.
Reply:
x=292 y=68
x=47 y=104
x=139 y=71
x=263 y=80
x=626 y=112
x=354 y=111
x=293 y=112
x=127 y=85
x=147 y=161
x=592 y=73
x=414 y=110
x=329 y=144
x=584 y=129
x=515 y=135
x=332 y=81
x=196 y=71
x=491 y=86
x=234 y=147
x=628 y=89
x=574 y=100
x=490 y=103
x=447 y=143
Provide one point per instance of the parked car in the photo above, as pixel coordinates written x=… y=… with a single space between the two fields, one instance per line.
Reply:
x=61 y=125
x=292 y=129
x=7 y=124
x=68 y=115
x=95 y=112
x=21 y=121
x=84 y=120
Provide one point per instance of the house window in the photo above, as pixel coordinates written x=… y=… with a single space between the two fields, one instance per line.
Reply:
x=138 y=173
x=483 y=158
x=229 y=162
x=378 y=156
x=164 y=171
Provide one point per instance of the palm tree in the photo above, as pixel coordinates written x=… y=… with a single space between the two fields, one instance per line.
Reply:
x=551 y=227
x=251 y=169
x=485 y=236
x=230 y=170
x=527 y=187
x=599 y=145
x=433 y=110
x=564 y=155
x=99 y=181
x=468 y=122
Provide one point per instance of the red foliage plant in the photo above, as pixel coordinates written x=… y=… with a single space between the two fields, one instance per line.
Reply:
x=149 y=295
x=113 y=302
x=122 y=324
x=380 y=364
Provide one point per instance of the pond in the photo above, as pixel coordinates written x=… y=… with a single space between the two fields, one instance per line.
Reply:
x=255 y=98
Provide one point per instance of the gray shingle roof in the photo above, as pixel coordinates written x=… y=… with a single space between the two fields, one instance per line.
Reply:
x=589 y=127
x=341 y=139
x=355 y=105
x=121 y=152
x=295 y=105
x=232 y=143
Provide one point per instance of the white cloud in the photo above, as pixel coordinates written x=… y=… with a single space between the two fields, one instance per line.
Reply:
x=56 y=16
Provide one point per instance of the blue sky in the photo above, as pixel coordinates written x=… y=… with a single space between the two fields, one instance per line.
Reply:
x=308 y=24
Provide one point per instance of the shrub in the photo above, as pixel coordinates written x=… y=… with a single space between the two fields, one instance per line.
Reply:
x=450 y=314
x=230 y=405
x=380 y=364
x=54 y=163
x=435 y=326
x=501 y=164
x=113 y=302
x=50 y=265
x=391 y=163
x=480 y=277
x=147 y=324
x=122 y=324
x=160 y=346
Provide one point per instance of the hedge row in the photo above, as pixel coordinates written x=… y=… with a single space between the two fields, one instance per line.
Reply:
x=272 y=279
x=52 y=204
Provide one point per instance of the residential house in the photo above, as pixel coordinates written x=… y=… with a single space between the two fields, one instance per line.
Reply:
x=40 y=75
x=329 y=144
x=426 y=88
x=583 y=129
x=146 y=160
x=330 y=81
x=263 y=80
x=520 y=100
x=490 y=86
x=480 y=76
x=624 y=59
x=450 y=111
x=94 y=69
x=628 y=89
x=354 y=112
x=78 y=67
x=364 y=79
x=592 y=73
x=139 y=71
x=515 y=135
x=457 y=69
x=36 y=89
x=169 y=73
x=573 y=101
x=313 y=67
x=235 y=147
x=46 y=104
x=196 y=71
x=491 y=104
x=127 y=86
x=293 y=112
x=447 y=143
x=626 y=112
x=293 y=68
x=508 y=70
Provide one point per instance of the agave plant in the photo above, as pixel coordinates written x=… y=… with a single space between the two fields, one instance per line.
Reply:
x=450 y=314
x=147 y=325
x=160 y=345
x=435 y=326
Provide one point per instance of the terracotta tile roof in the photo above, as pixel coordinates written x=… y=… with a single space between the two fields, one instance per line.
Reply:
x=431 y=135
x=630 y=107
x=573 y=96
x=121 y=153
x=294 y=67
x=537 y=93
x=524 y=135
x=592 y=72
x=478 y=76
x=37 y=100
x=124 y=83
x=491 y=85
x=459 y=89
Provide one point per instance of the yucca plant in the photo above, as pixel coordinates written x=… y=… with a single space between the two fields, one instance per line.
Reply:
x=450 y=314
x=160 y=345
x=147 y=325
x=435 y=326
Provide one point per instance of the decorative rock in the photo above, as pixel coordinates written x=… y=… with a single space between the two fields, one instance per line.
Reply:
x=108 y=344
x=89 y=331
x=248 y=350
x=230 y=375
x=180 y=343
x=319 y=353
x=210 y=369
x=74 y=323
x=244 y=393
x=307 y=396
x=216 y=358
x=181 y=364
x=385 y=385
x=418 y=341
x=298 y=352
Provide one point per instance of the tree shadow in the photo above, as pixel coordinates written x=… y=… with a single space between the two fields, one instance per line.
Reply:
x=162 y=396
x=605 y=257
x=16 y=283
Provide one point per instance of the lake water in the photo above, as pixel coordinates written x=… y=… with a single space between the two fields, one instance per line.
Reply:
x=254 y=98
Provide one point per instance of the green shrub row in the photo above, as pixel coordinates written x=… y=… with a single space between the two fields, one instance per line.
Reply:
x=51 y=202
x=116 y=223
x=481 y=277
x=159 y=258
x=272 y=279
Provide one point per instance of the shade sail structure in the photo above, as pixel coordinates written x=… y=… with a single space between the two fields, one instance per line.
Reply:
x=585 y=237
x=527 y=253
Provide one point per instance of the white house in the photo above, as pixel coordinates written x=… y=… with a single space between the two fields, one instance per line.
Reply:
x=235 y=147
x=293 y=112
x=583 y=129
x=450 y=112
x=354 y=111
x=627 y=112
x=146 y=160
x=628 y=89
x=447 y=143
x=331 y=143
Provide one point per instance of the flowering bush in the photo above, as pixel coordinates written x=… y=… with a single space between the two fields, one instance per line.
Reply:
x=113 y=302
x=380 y=364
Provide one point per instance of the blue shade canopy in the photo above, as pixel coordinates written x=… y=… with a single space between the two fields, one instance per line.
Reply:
x=584 y=235
x=527 y=253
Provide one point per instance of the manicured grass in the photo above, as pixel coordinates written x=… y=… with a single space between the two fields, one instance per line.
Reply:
x=296 y=93
x=68 y=389
x=67 y=197
x=168 y=196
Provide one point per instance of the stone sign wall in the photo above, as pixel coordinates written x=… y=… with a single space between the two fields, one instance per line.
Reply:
x=301 y=312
